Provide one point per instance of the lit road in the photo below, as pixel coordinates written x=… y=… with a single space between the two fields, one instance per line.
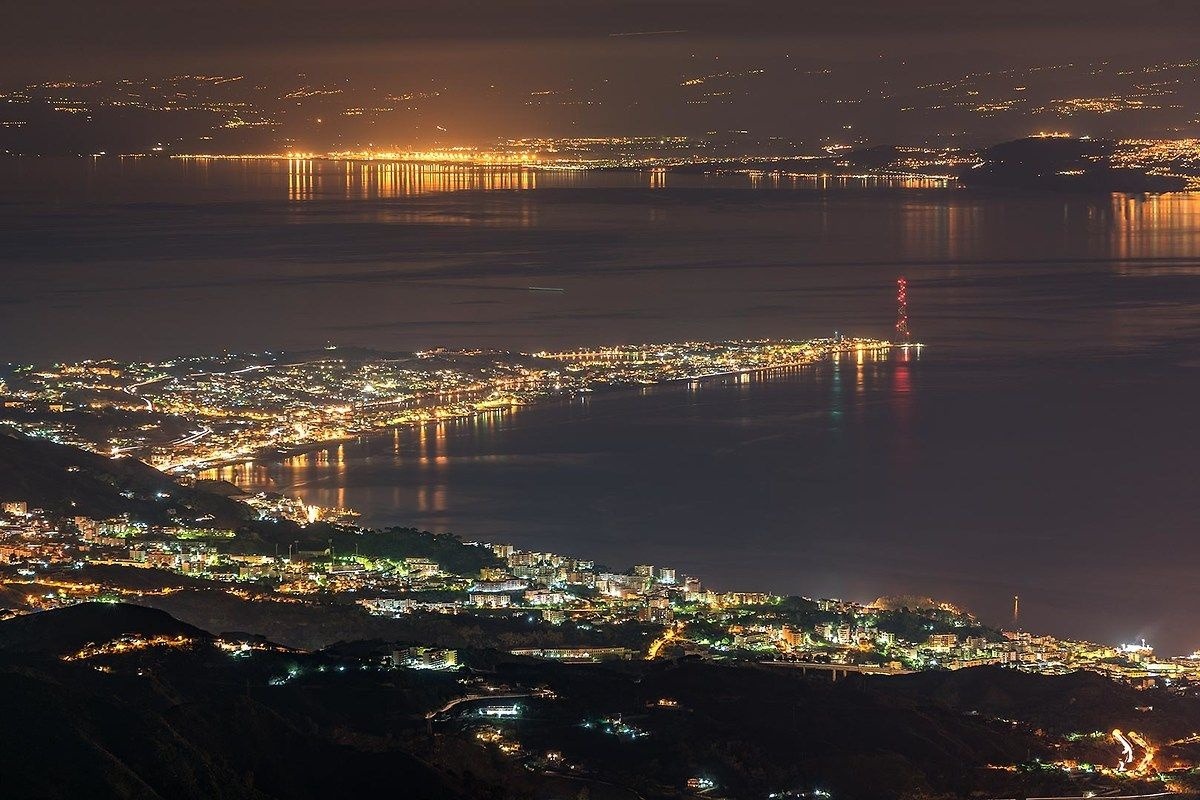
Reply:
x=1126 y=751
x=132 y=388
x=658 y=644
x=192 y=438
x=472 y=698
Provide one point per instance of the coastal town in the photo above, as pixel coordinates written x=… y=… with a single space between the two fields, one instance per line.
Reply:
x=189 y=413
x=523 y=401
x=126 y=506
x=643 y=612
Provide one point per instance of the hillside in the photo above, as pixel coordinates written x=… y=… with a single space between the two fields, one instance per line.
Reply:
x=1078 y=701
x=192 y=722
x=73 y=482
x=65 y=630
x=1063 y=164
x=158 y=724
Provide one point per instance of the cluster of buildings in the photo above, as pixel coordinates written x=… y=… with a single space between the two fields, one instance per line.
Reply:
x=46 y=559
x=191 y=413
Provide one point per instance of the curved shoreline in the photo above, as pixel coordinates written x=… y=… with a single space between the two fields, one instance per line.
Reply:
x=267 y=456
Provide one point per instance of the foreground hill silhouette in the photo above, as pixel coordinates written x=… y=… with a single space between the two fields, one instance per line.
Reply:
x=193 y=715
x=1077 y=701
x=69 y=481
x=1063 y=164
x=195 y=721
x=66 y=630
x=174 y=727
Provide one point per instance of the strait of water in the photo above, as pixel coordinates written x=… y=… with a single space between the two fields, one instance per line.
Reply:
x=1043 y=444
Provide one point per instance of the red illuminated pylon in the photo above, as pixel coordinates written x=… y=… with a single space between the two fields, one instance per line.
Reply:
x=902 y=333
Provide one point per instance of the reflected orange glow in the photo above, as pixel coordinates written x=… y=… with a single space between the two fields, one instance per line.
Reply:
x=1152 y=227
x=311 y=176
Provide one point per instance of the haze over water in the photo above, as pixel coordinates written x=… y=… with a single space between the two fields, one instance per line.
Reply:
x=1041 y=445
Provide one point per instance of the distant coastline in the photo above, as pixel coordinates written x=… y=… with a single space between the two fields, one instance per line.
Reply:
x=269 y=456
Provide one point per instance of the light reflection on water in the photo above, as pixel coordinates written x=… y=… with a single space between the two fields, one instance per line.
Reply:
x=1043 y=445
x=302 y=178
x=309 y=179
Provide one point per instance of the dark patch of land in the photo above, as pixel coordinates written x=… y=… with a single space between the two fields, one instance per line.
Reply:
x=316 y=625
x=70 y=482
x=1063 y=164
x=196 y=722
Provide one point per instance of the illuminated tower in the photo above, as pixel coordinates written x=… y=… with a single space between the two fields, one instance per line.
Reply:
x=903 y=336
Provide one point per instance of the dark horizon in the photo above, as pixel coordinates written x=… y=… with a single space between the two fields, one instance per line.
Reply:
x=320 y=76
x=56 y=27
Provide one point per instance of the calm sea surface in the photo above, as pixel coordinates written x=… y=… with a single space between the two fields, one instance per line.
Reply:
x=1044 y=443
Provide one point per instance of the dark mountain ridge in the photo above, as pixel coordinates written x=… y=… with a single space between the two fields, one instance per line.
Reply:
x=65 y=630
x=68 y=481
x=195 y=722
x=1064 y=164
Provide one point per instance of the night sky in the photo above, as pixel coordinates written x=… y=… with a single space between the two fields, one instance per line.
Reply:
x=54 y=34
